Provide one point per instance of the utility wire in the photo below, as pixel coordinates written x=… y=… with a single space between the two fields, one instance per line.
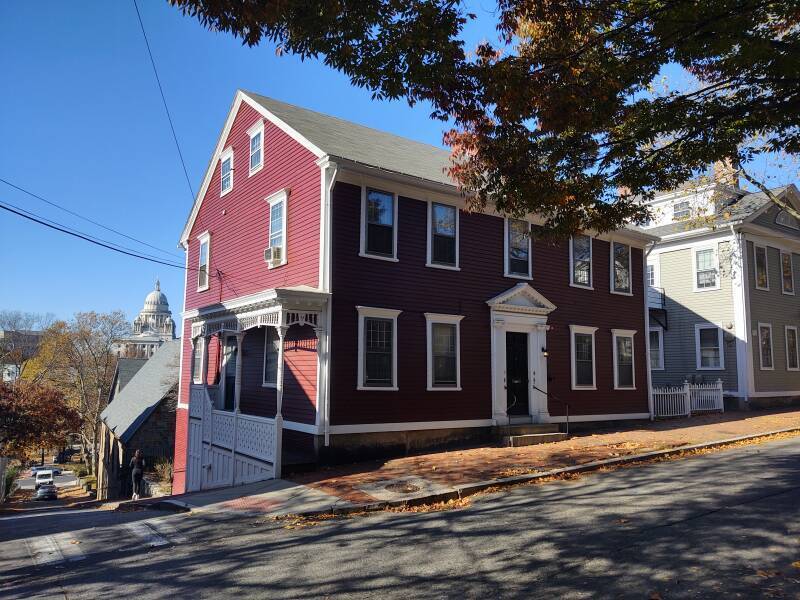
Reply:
x=163 y=98
x=87 y=219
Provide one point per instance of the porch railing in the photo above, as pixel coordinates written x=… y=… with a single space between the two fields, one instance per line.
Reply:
x=687 y=399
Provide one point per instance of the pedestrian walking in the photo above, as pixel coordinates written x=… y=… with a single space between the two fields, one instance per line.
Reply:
x=137 y=470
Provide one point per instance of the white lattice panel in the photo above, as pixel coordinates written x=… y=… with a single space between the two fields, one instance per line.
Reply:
x=223 y=429
x=196 y=399
x=256 y=437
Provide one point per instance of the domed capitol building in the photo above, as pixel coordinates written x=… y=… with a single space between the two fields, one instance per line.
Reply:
x=151 y=328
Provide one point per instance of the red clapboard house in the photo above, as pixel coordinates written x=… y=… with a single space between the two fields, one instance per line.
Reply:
x=340 y=301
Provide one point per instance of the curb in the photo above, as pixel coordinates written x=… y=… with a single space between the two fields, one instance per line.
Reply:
x=469 y=489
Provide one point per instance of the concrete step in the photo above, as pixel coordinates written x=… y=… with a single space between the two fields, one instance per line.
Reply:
x=531 y=439
x=529 y=428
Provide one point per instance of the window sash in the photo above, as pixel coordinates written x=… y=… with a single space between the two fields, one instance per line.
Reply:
x=762 y=276
x=792 y=349
x=255 y=151
x=584 y=361
x=519 y=247
x=276 y=224
x=379 y=223
x=624 y=362
x=651 y=275
x=444 y=342
x=202 y=270
x=786 y=273
x=705 y=268
x=710 y=350
x=622 y=267
x=681 y=210
x=197 y=369
x=765 y=346
x=581 y=260
x=378 y=352
x=443 y=234
x=226 y=172
x=656 y=354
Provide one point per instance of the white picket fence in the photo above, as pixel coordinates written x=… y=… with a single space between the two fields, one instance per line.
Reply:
x=687 y=399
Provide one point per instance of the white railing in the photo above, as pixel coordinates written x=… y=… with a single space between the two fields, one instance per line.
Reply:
x=224 y=428
x=683 y=400
x=255 y=437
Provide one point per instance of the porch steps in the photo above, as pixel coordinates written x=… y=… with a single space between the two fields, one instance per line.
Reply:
x=531 y=439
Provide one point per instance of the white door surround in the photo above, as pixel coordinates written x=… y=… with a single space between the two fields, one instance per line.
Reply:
x=520 y=309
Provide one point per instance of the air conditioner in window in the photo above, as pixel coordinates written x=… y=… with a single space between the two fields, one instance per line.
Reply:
x=273 y=256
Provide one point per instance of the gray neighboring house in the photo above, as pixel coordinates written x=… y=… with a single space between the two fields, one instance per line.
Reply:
x=723 y=292
x=140 y=415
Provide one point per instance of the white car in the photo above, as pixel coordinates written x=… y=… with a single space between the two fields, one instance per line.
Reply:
x=44 y=478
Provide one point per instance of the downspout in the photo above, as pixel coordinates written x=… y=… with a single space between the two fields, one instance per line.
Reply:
x=328 y=311
x=647 y=332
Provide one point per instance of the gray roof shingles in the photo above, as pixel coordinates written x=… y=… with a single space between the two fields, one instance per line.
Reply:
x=154 y=380
x=127 y=368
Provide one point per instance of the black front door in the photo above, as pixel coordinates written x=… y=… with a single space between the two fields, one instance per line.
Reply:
x=517 y=372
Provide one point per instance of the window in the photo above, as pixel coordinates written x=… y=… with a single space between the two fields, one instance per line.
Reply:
x=792 y=349
x=656 y=349
x=518 y=248
x=681 y=210
x=197 y=368
x=705 y=269
x=710 y=354
x=582 y=351
x=765 y=346
x=580 y=256
x=379 y=233
x=271 y=350
x=787 y=273
x=787 y=220
x=621 y=268
x=444 y=368
x=226 y=172
x=651 y=275
x=762 y=273
x=624 y=376
x=443 y=236
x=256 y=133
x=277 y=228
x=377 y=348
x=204 y=258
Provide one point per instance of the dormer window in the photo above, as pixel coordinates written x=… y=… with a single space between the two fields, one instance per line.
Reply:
x=226 y=172
x=256 y=133
x=681 y=210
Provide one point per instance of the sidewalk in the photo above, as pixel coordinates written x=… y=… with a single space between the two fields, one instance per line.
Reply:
x=426 y=474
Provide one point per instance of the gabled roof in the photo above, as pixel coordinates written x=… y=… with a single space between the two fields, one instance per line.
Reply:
x=143 y=393
x=126 y=369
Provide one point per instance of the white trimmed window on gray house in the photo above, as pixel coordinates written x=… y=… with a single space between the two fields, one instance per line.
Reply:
x=706 y=269
x=787 y=273
x=580 y=260
x=710 y=352
x=582 y=357
x=656 y=348
x=443 y=350
x=766 y=357
x=681 y=210
x=377 y=348
x=761 y=267
x=792 y=348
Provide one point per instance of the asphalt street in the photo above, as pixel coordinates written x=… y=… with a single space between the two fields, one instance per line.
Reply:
x=722 y=525
x=67 y=479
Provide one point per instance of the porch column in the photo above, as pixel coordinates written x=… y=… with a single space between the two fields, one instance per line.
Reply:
x=322 y=380
x=281 y=330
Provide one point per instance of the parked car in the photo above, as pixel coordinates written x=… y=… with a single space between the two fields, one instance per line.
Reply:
x=47 y=491
x=44 y=477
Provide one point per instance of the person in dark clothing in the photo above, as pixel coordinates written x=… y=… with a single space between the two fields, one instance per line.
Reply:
x=137 y=470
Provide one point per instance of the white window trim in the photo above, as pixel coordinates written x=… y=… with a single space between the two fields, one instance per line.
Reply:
x=786 y=343
x=228 y=153
x=380 y=313
x=255 y=129
x=771 y=347
x=720 y=341
x=363 y=243
x=199 y=346
x=781 y=254
x=688 y=209
x=573 y=329
x=429 y=256
x=506 y=271
x=611 y=268
x=204 y=237
x=572 y=265
x=629 y=333
x=715 y=249
x=660 y=331
x=272 y=200
x=755 y=266
x=264 y=382
x=656 y=277
x=430 y=319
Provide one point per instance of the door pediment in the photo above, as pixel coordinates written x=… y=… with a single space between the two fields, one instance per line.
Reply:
x=522 y=298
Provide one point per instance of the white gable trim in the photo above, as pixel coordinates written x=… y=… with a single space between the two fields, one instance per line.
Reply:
x=536 y=305
x=226 y=130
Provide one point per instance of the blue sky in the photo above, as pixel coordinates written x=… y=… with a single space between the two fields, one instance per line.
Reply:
x=82 y=125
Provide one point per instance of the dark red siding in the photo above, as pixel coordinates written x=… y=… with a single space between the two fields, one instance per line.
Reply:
x=409 y=286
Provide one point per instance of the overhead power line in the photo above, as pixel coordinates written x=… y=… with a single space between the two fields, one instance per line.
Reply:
x=87 y=219
x=163 y=98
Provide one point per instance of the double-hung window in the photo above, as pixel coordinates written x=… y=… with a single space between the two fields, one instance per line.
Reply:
x=580 y=252
x=444 y=368
x=379 y=228
x=656 y=349
x=197 y=367
x=256 y=133
x=651 y=275
x=765 y=346
x=787 y=273
x=624 y=375
x=518 y=248
x=226 y=172
x=377 y=348
x=710 y=353
x=792 y=349
x=277 y=228
x=761 y=268
x=620 y=268
x=681 y=210
x=443 y=232
x=583 y=357
x=706 y=270
x=271 y=351
x=203 y=261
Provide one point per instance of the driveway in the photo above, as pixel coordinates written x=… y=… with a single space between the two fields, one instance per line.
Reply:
x=722 y=525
